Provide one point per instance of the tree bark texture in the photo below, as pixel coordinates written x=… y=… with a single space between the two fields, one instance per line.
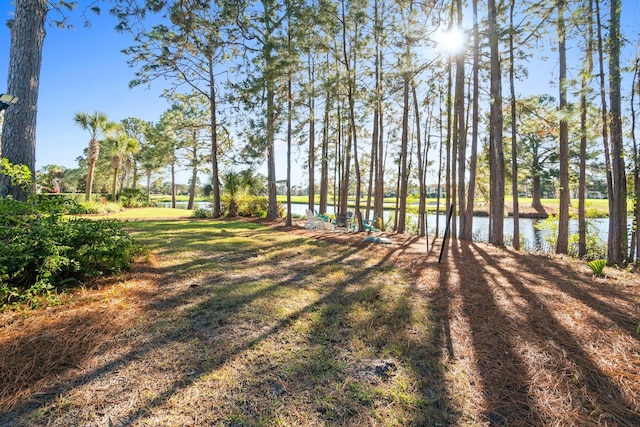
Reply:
x=496 y=192
x=25 y=59
x=563 y=211
x=617 y=250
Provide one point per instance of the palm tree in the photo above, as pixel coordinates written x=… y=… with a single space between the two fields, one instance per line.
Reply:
x=233 y=186
x=96 y=123
x=120 y=146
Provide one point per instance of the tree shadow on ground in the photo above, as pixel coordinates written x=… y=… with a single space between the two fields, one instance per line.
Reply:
x=203 y=316
x=534 y=367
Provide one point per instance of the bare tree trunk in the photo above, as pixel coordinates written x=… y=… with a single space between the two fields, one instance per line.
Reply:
x=514 y=135
x=449 y=137
x=496 y=210
x=404 y=154
x=192 y=187
x=289 y=119
x=636 y=168
x=312 y=135
x=372 y=165
x=215 y=179
x=378 y=206
x=467 y=232
x=272 y=209
x=421 y=165
x=586 y=77
x=461 y=132
x=354 y=135
x=635 y=239
x=324 y=162
x=437 y=233
x=603 y=101
x=563 y=217
x=148 y=173
x=25 y=59
x=173 y=181
x=617 y=244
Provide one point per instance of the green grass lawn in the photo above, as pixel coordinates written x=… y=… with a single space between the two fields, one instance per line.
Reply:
x=273 y=328
x=231 y=323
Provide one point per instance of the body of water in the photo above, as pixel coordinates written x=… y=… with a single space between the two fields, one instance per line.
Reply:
x=534 y=237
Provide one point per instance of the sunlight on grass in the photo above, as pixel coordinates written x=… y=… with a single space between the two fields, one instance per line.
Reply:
x=149 y=213
x=267 y=328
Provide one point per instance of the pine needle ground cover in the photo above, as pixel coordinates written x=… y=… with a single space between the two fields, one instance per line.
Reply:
x=235 y=323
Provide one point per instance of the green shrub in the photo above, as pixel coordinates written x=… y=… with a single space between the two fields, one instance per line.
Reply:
x=596 y=248
x=203 y=213
x=101 y=207
x=246 y=205
x=43 y=252
x=133 y=197
x=254 y=206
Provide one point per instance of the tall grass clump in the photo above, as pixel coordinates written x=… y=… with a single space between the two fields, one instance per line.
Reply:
x=43 y=250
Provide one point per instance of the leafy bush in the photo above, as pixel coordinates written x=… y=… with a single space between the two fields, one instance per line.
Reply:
x=42 y=251
x=254 y=206
x=203 y=213
x=596 y=248
x=133 y=197
x=246 y=205
x=101 y=207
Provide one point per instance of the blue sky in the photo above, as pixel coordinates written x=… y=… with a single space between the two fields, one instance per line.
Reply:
x=84 y=70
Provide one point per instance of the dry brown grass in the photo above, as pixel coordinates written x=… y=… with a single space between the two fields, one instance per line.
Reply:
x=273 y=326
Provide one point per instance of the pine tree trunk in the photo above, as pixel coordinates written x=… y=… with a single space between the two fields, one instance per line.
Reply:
x=634 y=247
x=617 y=244
x=173 y=180
x=496 y=196
x=148 y=186
x=421 y=164
x=586 y=77
x=272 y=209
x=404 y=154
x=215 y=178
x=192 y=187
x=324 y=161
x=563 y=217
x=25 y=60
x=514 y=142
x=461 y=133
x=312 y=137
x=473 y=161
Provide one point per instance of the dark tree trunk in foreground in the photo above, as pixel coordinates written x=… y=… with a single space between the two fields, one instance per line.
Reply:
x=563 y=217
x=617 y=245
x=25 y=59
x=496 y=203
x=514 y=143
x=586 y=77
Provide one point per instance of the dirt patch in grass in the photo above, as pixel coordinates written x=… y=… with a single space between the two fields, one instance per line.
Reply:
x=298 y=327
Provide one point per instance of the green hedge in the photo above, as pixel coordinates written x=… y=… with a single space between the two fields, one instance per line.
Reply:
x=43 y=251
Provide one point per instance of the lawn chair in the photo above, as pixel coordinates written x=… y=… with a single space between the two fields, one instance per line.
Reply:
x=370 y=224
x=312 y=223
x=324 y=222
